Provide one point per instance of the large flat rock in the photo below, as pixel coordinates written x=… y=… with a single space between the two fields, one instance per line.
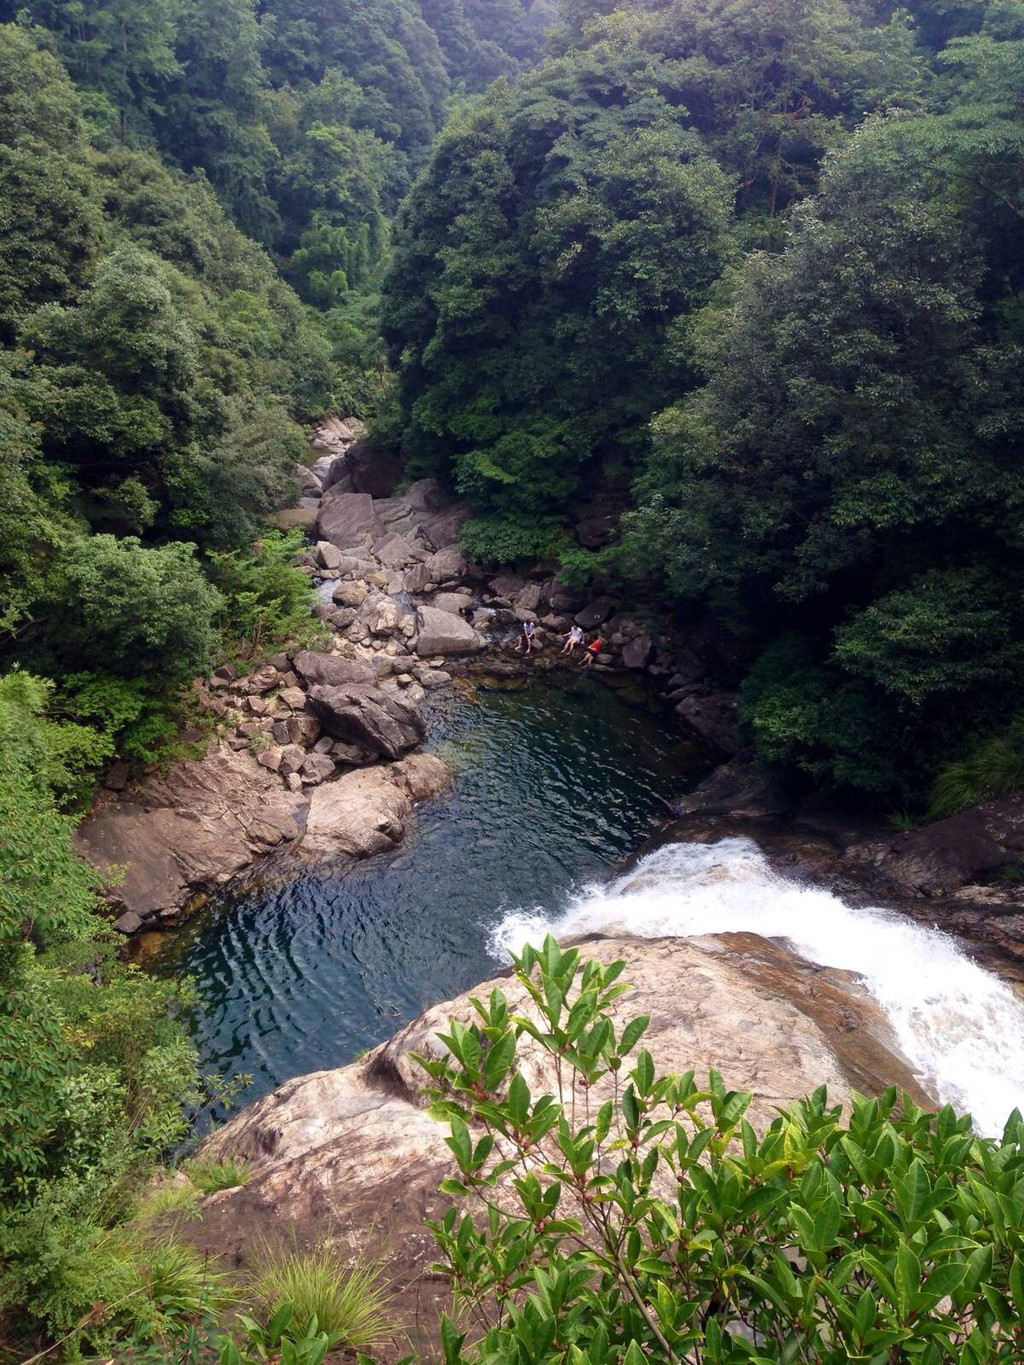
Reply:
x=355 y=1150
x=348 y=520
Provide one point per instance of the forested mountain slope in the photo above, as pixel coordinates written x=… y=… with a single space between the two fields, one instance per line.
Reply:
x=763 y=263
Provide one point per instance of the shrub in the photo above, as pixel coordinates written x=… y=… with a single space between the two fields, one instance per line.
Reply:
x=640 y=1217
x=264 y=599
x=351 y=1304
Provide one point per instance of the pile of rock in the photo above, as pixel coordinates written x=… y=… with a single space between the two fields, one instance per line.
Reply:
x=286 y=728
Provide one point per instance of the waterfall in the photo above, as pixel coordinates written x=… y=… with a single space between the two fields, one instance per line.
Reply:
x=960 y=1027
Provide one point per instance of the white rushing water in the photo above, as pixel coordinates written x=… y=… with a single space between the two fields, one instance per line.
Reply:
x=960 y=1027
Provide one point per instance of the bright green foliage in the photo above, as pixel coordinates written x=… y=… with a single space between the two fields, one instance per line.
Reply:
x=642 y=1218
x=94 y=1065
x=210 y=1176
x=265 y=600
x=130 y=610
x=280 y=1340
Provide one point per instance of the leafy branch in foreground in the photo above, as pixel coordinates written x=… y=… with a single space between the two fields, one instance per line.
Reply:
x=632 y=1217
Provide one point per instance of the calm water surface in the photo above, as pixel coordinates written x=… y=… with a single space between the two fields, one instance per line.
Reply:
x=304 y=967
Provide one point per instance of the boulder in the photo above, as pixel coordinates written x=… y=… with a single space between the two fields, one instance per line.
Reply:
x=637 y=651
x=355 y=1149
x=348 y=520
x=291 y=759
x=308 y=481
x=332 y=669
x=373 y=470
x=328 y=556
x=316 y=768
x=418 y=579
x=425 y=495
x=453 y=602
x=383 y=724
x=508 y=586
x=528 y=599
x=364 y=812
x=448 y=564
x=395 y=552
x=381 y=615
x=349 y=594
x=442 y=528
x=439 y=632
x=190 y=830
x=741 y=787
x=712 y=718
x=595 y=612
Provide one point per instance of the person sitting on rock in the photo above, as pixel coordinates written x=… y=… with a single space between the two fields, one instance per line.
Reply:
x=529 y=631
x=593 y=650
x=572 y=639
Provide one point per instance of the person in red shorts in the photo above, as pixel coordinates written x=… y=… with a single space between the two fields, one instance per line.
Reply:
x=593 y=650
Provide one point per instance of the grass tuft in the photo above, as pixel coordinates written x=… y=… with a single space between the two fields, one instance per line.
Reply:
x=351 y=1304
x=210 y=1176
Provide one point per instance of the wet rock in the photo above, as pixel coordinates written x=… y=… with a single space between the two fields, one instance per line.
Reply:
x=712 y=718
x=348 y=520
x=741 y=787
x=332 y=669
x=128 y=923
x=385 y=725
x=434 y=677
x=439 y=632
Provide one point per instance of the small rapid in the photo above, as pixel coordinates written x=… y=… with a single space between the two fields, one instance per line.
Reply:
x=959 y=1026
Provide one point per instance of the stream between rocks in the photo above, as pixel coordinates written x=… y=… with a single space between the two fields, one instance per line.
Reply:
x=301 y=966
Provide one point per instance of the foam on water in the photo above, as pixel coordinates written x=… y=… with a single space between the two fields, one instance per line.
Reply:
x=960 y=1027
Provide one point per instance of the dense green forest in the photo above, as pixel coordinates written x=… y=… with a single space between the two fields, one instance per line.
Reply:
x=756 y=270
x=750 y=272
x=195 y=198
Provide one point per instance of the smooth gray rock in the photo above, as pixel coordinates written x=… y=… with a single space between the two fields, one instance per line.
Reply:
x=348 y=520
x=439 y=632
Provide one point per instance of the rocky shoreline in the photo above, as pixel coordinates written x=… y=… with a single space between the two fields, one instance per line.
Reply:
x=315 y=752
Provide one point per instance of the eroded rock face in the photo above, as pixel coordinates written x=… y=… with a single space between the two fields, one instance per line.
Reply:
x=196 y=827
x=385 y=724
x=356 y=1149
x=950 y=853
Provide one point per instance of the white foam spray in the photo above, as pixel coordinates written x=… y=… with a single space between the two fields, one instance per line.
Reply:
x=960 y=1027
